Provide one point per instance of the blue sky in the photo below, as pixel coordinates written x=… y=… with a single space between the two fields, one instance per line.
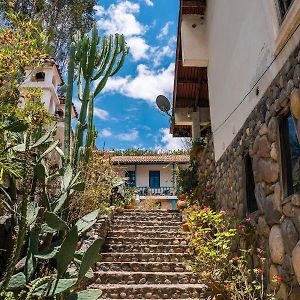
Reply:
x=125 y=112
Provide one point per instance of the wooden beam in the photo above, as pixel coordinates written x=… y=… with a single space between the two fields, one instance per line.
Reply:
x=193 y=3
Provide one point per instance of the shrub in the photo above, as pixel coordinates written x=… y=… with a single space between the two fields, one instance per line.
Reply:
x=98 y=177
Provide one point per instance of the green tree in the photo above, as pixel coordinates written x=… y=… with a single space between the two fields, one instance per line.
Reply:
x=61 y=19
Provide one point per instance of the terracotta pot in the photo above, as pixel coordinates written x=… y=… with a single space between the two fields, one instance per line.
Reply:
x=181 y=204
x=185 y=227
x=120 y=209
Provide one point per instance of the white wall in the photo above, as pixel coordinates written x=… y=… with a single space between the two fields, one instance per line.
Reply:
x=241 y=43
x=142 y=174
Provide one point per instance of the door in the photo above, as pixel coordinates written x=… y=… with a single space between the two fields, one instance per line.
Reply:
x=154 y=179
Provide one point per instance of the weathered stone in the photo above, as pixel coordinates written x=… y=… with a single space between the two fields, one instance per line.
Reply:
x=277 y=197
x=286 y=269
x=283 y=291
x=296 y=199
x=273 y=272
x=290 y=235
x=296 y=76
x=264 y=147
x=260 y=197
x=296 y=218
x=290 y=86
x=262 y=227
x=295 y=294
x=276 y=245
x=288 y=209
x=255 y=144
x=296 y=261
x=274 y=152
x=272 y=214
x=295 y=103
x=282 y=98
x=269 y=170
x=123 y=295
x=272 y=130
x=148 y=295
x=263 y=130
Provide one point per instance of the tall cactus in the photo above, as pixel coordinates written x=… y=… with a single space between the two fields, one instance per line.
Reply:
x=96 y=60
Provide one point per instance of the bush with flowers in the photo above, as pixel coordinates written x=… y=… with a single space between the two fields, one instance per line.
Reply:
x=222 y=265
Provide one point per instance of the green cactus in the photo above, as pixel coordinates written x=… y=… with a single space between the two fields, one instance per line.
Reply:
x=95 y=60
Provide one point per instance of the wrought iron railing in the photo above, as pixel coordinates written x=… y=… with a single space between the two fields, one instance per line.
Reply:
x=161 y=191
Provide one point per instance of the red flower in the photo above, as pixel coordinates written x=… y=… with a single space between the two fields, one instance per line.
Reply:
x=206 y=208
x=235 y=258
x=241 y=228
x=248 y=219
x=278 y=278
x=259 y=270
x=227 y=286
x=222 y=212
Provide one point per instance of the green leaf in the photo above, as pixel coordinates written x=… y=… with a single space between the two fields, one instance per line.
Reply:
x=60 y=152
x=67 y=176
x=87 y=221
x=90 y=257
x=50 y=149
x=44 y=139
x=48 y=254
x=19 y=148
x=56 y=287
x=47 y=229
x=40 y=172
x=85 y=295
x=16 y=126
x=66 y=252
x=60 y=202
x=33 y=245
x=32 y=213
x=79 y=186
x=55 y=222
x=17 y=281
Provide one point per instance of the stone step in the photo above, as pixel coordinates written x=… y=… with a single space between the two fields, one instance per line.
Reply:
x=144 y=248
x=108 y=277
x=157 y=291
x=135 y=241
x=147 y=218
x=142 y=234
x=142 y=266
x=144 y=257
x=146 y=223
x=147 y=228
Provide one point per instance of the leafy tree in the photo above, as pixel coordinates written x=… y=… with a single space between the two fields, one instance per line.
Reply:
x=61 y=19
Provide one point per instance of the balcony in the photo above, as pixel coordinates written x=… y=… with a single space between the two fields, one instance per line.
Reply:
x=161 y=191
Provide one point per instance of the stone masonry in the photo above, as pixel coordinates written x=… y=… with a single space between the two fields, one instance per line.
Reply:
x=144 y=258
x=278 y=217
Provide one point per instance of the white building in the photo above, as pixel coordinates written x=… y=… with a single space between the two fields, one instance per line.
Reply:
x=153 y=175
x=48 y=78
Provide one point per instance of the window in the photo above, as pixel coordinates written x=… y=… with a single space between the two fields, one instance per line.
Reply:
x=290 y=154
x=250 y=185
x=283 y=7
x=130 y=175
x=40 y=76
x=154 y=179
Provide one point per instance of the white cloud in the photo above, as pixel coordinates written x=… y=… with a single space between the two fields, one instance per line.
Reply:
x=168 y=142
x=164 y=31
x=101 y=113
x=149 y=2
x=99 y=10
x=165 y=51
x=98 y=112
x=147 y=85
x=120 y=18
x=105 y=133
x=138 y=48
x=128 y=137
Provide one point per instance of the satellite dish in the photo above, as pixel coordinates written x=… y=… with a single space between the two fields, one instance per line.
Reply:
x=163 y=103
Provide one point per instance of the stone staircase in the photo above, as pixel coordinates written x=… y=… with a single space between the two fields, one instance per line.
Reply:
x=144 y=258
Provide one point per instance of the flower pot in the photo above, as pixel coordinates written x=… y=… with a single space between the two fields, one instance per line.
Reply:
x=120 y=209
x=185 y=227
x=181 y=204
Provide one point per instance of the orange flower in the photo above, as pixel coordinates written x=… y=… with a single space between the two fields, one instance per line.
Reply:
x=235 y=257
x=278 y=278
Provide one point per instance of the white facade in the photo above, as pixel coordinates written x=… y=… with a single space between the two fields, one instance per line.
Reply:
x=247 y=46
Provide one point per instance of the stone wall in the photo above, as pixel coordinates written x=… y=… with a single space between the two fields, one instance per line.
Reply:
x=278 y=218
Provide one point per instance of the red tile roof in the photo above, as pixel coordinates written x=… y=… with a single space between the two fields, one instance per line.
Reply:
x=164 y=158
